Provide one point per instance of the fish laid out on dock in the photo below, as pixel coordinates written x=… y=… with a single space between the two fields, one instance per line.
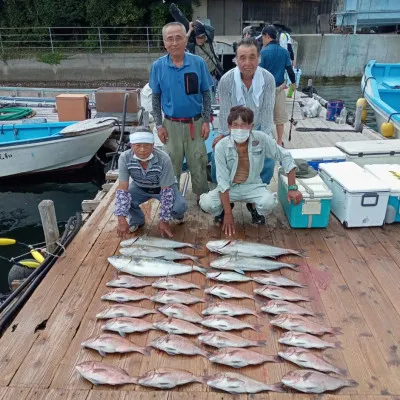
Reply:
x=228 y=309
x=284 y=307
x=174 y=345
x=174 y=296
x=178 y=327
x=309 y=381
x=276 y=280
x=228 y=276
x=227 y=292
x=180 y=311
x=239 y=358
x=248 y=249
x=122 y=295
x=156 y=252
x=225 y=339
x=128 y=282
x=144 y=266
x=126 y=325
x=156 y=242
x=307 y=341
x=167 y=378
x=174 y=284
x=123 y=310
x=279 y=293
x=226 y=323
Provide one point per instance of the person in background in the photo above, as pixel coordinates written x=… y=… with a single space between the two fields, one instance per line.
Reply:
x=276 y=60
x=181 y=86
x=239 y=161
x=284 y=39
x=152 y=177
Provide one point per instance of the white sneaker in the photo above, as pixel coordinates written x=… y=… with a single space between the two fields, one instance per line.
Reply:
x=134 y=228
x=178 y=221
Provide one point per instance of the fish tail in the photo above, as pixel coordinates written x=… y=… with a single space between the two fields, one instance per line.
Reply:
x=299 y=253
x=261 y=343
x=195 y=246
x=351 y=383
x=340 y=371
x=133 y=380
x=256 y=328
x=336 y=331
x=276 y=359
x=294 y=267
x=147 y=351
x=277 y=387
x=201 y=270
x=194 y=259
x=206 y=354
x=337 y=345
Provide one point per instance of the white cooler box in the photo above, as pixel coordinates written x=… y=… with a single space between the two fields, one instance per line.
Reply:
x=359 y=198
x=390 y=174
x=371 y=151
x=315 y=156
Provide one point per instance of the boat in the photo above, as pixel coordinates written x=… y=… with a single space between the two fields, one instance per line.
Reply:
x=381 y=87
x=43 y=147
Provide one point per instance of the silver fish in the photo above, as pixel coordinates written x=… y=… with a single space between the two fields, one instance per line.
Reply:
x=227 y=292
x=180 y=311
x=228 y=277
x=226 y=323
x=167 y=378
x=106 y=343
x=239 y=358
x=128 y=282
x=307 y=359
x=275 y=280
x=156 y=252
x=124 y=311
x=125 y=325
x=174 y=284
x=174 y=296
x=309 y=381
x=248 y=249
x=225 y=339
x=142 y=266
x=232 y=382
x=122 y=295
x=300 y=339
x=278 y=293
x=156 y=242
x=284 y=307
x=104 y=374
x=174 y=344
x=228 y=309
x=178 y=327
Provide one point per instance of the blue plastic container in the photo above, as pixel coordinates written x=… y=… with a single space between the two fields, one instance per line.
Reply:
x=333 y=109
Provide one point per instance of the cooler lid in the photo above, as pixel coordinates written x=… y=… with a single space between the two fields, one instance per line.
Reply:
x=388 y=173
x=370 y=147
x=318 y=153
x=353 y=178
x=311 y=188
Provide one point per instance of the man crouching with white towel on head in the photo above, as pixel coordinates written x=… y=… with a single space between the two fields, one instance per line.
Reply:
x=152 y=177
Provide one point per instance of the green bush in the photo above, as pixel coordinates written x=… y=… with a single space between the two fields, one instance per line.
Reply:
x=50 y=58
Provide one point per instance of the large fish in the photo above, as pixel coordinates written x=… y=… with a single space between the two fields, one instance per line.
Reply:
x=178 y=327
x=169 y=283
x=227 y=292
x=228 y=276
x=105 y=343
x=284 y=307
x=156 y=252
x=279 y=293
x=300 y=339
x=299 y=323
x=174 y=344
x=226 y=323
x=167 y=378
x=180 y=311
x=276 y=280
x=239 y=358
x=156 y=242
x=228 y=309
x=104 y=374
x=124 y=310
x=225 y=339
x=248 y=249
x=174 y=296
x=233 y=383
x=307 y=359
x=309 y=381
x=125 y=325
x=122 y=295
x=128 y=282
x=144 y=266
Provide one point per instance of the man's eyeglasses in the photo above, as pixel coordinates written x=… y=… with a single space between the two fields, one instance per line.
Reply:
x=177 y=39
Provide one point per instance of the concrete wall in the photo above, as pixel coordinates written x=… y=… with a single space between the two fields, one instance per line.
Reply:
x=201 y=11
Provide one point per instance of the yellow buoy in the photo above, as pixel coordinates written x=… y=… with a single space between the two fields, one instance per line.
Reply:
x=7 y=242
x=362 y=102
x=387 y=129
x=37 y=256
x=29 y=263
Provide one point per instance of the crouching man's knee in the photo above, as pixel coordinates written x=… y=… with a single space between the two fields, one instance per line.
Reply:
x=210 y=203
x=266 y=203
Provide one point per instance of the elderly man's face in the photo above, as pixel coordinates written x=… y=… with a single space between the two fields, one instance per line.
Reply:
x=247 y=60
x=175 y=40
x=200 y=40
x=142 y=150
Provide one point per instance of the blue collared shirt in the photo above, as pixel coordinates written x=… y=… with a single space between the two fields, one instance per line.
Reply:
x=169 y=81
x=275 y=59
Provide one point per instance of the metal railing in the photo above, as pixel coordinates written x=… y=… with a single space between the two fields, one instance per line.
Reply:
x=72 y=39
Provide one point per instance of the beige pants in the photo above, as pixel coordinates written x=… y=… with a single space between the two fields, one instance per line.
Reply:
x=280 y=112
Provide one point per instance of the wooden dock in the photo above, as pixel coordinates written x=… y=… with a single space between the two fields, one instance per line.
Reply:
x=353 y=277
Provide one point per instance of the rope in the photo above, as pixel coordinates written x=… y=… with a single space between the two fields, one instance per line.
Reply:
x=391 y=115
x=9 y=114
x=323 y=130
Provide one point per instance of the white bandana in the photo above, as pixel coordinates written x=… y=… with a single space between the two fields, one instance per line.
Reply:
x=141 y=137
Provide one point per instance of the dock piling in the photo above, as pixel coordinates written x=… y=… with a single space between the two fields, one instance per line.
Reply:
x=49 y=223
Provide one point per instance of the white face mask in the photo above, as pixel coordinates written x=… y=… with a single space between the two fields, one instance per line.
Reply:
x=240 y=135
x=143 y=159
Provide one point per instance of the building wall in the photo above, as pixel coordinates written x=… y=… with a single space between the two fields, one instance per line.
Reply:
x=201 y=11
x=225 y=16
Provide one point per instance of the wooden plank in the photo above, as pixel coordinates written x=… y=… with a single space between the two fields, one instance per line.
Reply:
x=13 y=393
x=89 y=206
x=107 y=395
x=107 y=186
x=58 y=394
x=389 y=238
x=49 y=223
x=112 y=175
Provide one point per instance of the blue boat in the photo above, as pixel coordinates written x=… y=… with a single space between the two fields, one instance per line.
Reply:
x=381 y=87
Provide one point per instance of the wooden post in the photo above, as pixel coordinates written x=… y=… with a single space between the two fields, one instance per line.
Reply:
x=49 y=223
x=357 y=122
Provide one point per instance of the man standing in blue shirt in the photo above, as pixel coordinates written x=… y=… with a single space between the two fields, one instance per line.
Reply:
x=181 y=86
x=276 y=60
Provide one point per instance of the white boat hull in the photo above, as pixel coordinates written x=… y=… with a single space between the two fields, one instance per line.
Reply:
x=382 y=118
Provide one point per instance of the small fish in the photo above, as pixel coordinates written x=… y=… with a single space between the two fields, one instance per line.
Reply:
x=239 y=358
x=307 y=359
x=300 y=339
x=156 y=242
x=227 y=292
x=284 y=307
x=173 y=296
x=309 y=381
x=156 y=252
x=228 y=309
x=125 y=325
x=174 y=284
x=299 y=323
x=127 y=281
x=225 y=339
x=167 y=378
x=276 y=280
x=232 y=382
x=122 y=295
x=228 y=277
x=180 y=311
x=248 y=249
x=100 y=373
x=226 y=323
x=174 y=344
x=278 y=293
x=106 y=343
x=178 y=327
x=124 y=311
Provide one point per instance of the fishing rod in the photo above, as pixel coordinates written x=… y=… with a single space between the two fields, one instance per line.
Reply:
x=292 y=121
